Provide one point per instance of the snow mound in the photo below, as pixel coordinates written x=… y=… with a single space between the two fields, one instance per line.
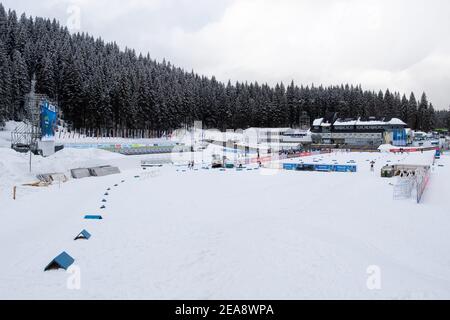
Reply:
x=14 y=166
x=5 y=134
x=386 y=147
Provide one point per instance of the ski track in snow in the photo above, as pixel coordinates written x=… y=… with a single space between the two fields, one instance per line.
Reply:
x=209 y=234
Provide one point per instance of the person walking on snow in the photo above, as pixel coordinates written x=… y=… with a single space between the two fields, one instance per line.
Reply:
x=372 y=166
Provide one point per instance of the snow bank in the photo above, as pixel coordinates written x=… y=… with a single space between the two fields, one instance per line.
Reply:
x=5 y=134
x=14 y=166
x=386 y=147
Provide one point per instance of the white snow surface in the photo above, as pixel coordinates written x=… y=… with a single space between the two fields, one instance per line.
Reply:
x=5 y=134
x=209 y=234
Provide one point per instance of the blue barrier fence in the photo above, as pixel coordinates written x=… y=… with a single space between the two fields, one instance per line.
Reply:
x=319 y=167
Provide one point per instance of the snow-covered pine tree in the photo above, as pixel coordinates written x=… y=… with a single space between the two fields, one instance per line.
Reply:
x=5 y=85
x=97 y=84
x=20 y=85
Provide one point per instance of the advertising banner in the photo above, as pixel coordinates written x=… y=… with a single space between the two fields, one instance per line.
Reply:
x=48 y=121
x=399 y=138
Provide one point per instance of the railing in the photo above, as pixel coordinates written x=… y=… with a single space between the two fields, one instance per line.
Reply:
x=405 y=186
x=422 y=182
x=25 y=136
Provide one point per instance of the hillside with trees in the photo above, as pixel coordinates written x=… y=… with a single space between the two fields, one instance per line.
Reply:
x=98 y=85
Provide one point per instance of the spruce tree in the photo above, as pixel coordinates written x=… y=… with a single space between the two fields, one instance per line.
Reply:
x=404 y=109
x=20 y=85
x=97 y=84
x=6 y=111
x=3 y=24
x=412 y=120
x=423 y=114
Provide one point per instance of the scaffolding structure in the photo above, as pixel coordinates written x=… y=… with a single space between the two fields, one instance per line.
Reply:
x=27 y=135
x=305 y=121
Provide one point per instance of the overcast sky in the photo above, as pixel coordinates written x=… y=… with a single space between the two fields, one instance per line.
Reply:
x=403 y=45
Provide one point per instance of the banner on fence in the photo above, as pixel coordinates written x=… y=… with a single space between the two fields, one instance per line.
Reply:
x=48 y=120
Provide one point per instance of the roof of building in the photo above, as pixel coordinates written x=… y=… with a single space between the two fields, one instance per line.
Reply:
x=372 y=121
x=345 y=122
x=262 y=130
x=379 y=122
x=317 y=122
x=296 y=131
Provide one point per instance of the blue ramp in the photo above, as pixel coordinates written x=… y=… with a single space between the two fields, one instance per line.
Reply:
x=83 y=235
x=63 y=261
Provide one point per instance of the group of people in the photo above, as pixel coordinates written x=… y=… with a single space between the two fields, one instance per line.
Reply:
x=289 y=151
x=405 y=173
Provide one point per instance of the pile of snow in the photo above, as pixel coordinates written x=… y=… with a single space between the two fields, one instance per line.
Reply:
x=5 y=134
x=14 y=166
x=197 y=136
x=386 y=147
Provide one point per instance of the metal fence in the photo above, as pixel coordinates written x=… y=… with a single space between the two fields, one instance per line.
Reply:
x=412 y=186
x=404 y=187
x=422 y=181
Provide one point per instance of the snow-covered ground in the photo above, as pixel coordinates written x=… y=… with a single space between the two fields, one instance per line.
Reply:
x=5 y=133
x=212 y=234
x=363 y=159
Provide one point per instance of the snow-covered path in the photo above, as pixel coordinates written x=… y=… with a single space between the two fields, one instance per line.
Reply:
x=231 y=235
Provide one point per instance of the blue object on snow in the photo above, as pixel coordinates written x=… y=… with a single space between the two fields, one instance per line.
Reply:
x=324 y=168
x=289 y=166
x=93 y=217
x=83 y=235
x=63 y=261
x=103 y=207
x=320 y=167
x=107 y=194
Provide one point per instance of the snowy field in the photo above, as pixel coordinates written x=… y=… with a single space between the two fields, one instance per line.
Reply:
x=209 y=234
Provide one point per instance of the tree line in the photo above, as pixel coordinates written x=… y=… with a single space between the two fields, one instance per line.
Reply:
x=98 y=85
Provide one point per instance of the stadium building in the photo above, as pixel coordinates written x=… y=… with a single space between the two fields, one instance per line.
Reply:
x=360 y=132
